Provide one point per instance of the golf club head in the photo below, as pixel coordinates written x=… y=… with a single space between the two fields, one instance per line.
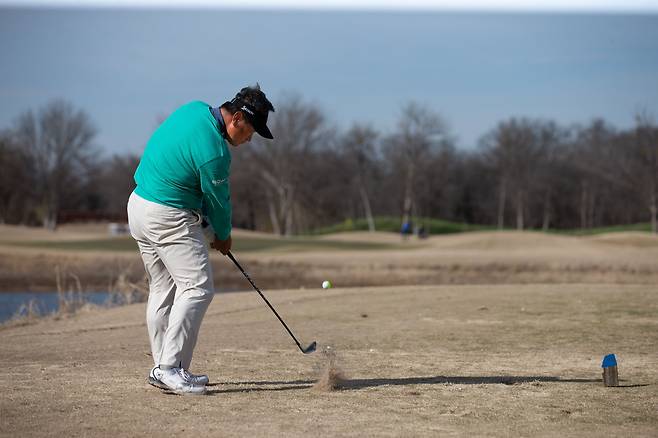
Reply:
x=310 y=348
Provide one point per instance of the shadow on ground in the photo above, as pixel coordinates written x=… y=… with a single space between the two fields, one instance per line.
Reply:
x=356 y=384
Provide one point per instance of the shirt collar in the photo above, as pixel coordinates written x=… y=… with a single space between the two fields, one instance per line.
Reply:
x=216 y=112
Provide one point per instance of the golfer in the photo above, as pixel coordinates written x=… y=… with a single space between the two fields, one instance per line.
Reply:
x=182 y=178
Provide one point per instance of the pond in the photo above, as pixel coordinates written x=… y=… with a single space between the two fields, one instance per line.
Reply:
x=11 y=303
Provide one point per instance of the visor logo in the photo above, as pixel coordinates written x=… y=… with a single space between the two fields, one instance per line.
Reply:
x=244 y=108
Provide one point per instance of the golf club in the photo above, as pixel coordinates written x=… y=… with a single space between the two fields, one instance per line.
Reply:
x=311 y=346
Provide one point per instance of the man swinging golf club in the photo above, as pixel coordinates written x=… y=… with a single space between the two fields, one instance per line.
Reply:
x=183 y=176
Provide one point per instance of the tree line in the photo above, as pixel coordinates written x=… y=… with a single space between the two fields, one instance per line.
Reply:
x=525 y=173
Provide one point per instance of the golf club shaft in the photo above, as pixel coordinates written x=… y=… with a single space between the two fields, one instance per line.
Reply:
x=230 y=256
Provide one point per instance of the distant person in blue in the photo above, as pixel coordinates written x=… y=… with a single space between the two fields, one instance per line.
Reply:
x=183 y=176
x=406 y=229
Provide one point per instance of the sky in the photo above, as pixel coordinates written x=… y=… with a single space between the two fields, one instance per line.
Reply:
x=127 y=67
x=527 y=5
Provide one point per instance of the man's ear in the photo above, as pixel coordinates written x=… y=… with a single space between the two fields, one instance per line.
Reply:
x=237 y=116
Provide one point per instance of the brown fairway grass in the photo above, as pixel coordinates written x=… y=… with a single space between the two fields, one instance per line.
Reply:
x=471 y=258
x=452 y=360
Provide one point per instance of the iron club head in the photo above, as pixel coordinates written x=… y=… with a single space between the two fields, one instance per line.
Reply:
x=307 y=350
x=310 y=348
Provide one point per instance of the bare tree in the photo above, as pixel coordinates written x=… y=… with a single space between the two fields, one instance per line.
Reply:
x=475 y=188
x=58 y=141
x=597 y=158
x=15 y=181
x=639 y=165
x=115 y=182
x=549 y=156
x=646 y=137
x=420 y=132
x=250 y=208
x=593 y=141
x=437 y=194
x=298 y=128
x=509 y=149
x=358 y=147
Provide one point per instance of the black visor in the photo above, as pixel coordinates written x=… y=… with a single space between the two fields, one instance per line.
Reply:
x=257 y=119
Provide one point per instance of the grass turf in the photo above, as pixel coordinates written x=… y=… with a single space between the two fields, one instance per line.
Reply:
x=242 y=244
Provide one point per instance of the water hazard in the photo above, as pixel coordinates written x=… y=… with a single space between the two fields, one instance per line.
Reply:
x=14 y=303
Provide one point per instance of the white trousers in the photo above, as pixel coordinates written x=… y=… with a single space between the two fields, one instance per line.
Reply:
x=175 y=257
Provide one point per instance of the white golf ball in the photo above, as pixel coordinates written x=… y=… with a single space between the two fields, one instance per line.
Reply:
x=326 y=284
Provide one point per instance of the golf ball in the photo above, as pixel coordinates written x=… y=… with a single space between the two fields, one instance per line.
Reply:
x=326 y=284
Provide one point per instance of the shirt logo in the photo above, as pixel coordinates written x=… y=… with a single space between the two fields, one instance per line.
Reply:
x=217 y=182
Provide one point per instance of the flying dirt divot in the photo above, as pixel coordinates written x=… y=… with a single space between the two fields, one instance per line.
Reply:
x=331 y=376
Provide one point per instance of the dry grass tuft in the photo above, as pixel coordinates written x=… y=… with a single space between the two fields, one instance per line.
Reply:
x=71 y=298
x=123 y=291
x=331 y=376
x=28 y=313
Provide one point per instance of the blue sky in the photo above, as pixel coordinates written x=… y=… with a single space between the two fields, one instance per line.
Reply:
x=127 y=67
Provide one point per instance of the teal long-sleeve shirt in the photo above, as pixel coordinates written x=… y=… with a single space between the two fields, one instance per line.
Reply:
x=186 y=164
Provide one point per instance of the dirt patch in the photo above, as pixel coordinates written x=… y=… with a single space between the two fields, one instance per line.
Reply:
x=427 y=361
x=331 y=375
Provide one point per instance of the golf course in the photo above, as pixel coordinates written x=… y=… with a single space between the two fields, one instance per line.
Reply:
x=300 y=219
x=473 y=334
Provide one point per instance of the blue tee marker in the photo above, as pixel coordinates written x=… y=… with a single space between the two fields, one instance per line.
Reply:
x=610 y=375
x=609 y=361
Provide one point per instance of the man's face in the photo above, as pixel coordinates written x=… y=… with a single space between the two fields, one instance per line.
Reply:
x=239 y=130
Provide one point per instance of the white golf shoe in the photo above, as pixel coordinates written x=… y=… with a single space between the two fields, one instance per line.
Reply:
x=197 y=379
x=178 y=380
x=154 y=378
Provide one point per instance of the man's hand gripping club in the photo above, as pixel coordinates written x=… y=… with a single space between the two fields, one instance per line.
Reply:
x=223 y=246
